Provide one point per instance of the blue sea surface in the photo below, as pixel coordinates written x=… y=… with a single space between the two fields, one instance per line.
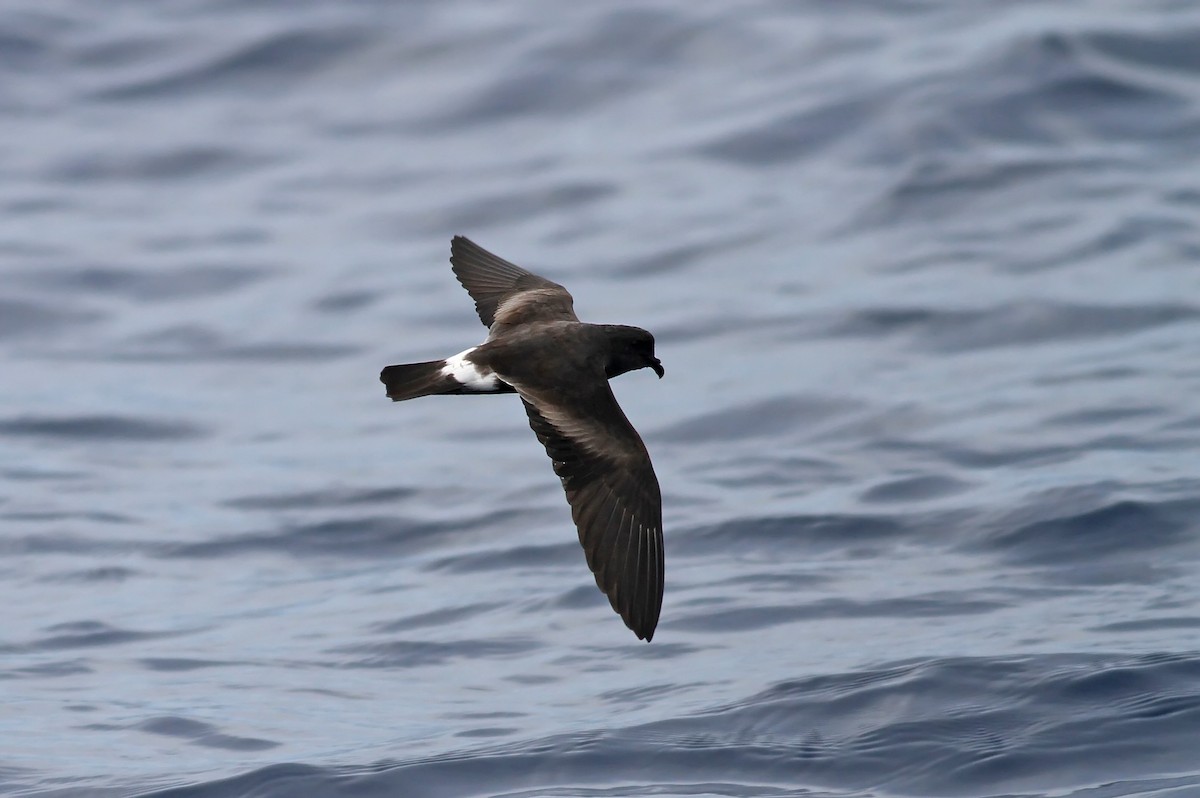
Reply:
x=924 y=276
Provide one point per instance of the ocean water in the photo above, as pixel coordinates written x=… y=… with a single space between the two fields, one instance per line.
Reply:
x=924 y=276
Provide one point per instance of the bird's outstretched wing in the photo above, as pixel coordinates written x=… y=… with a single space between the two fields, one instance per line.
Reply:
x=614 y=497
x=504 y=292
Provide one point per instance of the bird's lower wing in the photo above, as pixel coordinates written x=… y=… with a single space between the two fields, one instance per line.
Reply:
x=615 y=501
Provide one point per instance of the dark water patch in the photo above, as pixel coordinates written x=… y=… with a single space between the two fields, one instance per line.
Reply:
x=1014 y=324
x=424 y=653
x=272 y=781
x=194 y=344
x=1099 y=376
x=160 y=284
x=270 y=63
x=1033 y=323
x=54 y=516
x=329 y=498
x=1139 y=443
x=532 y=678
x=580 y=597
x=987 y=459
x=233 y=236
x=64 y=543
x=755 y=419
x=759 y=582
x=504 y=558
x=493 y=715
x=202 y=734
x=1125 y=683
x=434 y=618
x=269 y=353
x=123 y=51
x=327 y=693
x=59 y=668
x=1188 y=197
x=34 y=206
x=1150 y=624
x=112 y=573
x=165 y=166
x=345 y=302
x=1121 y=235
x=1051 y=88
x=700 y=328
x=489 y=731
x=841 y=684
x=369 y=536
x=763 y=616
x=937 y=187
x=22 y=49
x=1164 y=51
x=22 y=318
x=18 y=250
x=84 y=634
x=1107 y=573
x=675 y=258
x=774 y=535
x=40 y=475
x=791 y=137
x=773 y=470
x=1102 y=415
x=1187 y=424
x=180 y=664
x=634 y=696
x=602 y=658
x=618 y=53
x=518 y=204
x=115 y=429
x=914 y=489
x=876 y=322
x=1127 y=530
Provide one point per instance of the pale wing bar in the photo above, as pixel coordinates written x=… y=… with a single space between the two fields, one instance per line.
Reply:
x=491 y=280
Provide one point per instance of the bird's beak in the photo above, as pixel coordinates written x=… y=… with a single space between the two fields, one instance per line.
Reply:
x=658 y=369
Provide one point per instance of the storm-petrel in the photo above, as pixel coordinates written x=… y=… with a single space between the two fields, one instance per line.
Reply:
x=538 y=348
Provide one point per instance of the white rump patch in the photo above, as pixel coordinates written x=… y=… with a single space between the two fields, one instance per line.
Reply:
x=469 y=375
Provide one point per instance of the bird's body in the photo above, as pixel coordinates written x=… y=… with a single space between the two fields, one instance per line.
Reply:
x=560 y=366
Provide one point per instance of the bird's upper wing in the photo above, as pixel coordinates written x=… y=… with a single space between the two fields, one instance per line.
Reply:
x=505 y=292
x=614 y=497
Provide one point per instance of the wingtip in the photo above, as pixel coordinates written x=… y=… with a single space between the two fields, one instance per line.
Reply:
x=640 y=627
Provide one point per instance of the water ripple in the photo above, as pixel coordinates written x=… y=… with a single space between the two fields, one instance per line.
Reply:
x=924 y=278
x=101 y=428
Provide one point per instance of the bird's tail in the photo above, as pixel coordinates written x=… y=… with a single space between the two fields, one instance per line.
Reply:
x=410 y=380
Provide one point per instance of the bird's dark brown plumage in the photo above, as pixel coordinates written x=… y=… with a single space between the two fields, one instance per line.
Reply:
x=560 y=367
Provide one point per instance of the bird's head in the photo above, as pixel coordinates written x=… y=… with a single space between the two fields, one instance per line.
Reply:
x=631 y=348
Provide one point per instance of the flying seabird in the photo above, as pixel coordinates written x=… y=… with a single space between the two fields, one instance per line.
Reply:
x=560 y=367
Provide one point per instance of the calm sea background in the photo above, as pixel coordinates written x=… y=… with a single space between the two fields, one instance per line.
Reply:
x=925 y=277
